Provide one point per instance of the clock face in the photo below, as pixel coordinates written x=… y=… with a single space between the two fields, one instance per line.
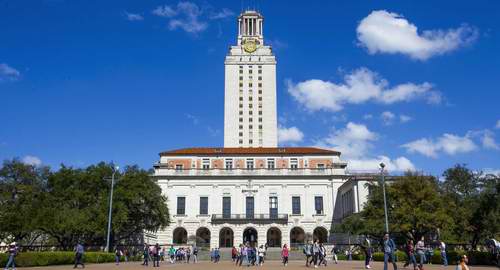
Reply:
x=250 y=46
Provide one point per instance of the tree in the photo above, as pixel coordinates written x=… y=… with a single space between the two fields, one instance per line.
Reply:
x=473 y=202
x=415 y=208
x=20 y=188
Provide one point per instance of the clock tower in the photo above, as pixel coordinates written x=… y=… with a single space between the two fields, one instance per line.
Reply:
x=250 y=117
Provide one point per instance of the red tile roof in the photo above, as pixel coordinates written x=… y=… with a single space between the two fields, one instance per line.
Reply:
x=220 y=151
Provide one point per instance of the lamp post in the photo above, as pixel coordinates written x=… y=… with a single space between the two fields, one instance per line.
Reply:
x=382 y=166
x=115 y=169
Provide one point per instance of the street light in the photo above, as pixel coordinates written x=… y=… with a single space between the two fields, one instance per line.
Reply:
x=115 y=169
x=382 y=166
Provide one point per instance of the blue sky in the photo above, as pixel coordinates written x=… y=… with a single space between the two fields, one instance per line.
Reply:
x=412 y=83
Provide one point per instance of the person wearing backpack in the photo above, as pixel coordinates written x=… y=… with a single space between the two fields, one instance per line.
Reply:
x=389 y=252
x=307 y=251
x=335 y=251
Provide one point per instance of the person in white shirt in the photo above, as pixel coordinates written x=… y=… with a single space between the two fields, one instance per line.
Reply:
x=262 y=253
x=442 y=247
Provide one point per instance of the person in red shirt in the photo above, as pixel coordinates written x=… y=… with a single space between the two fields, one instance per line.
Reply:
x=284 y=255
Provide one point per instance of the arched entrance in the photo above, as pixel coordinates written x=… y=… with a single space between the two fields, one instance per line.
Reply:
x=320 y=234
x=226 y=237
x=250 y=236
x=297 y=236
x=203 y=237
x=180 y=236
x=274 y=237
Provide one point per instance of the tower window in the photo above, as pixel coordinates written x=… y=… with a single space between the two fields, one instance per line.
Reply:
x=241 y=105
x=260 y=78
x=241 y=78
x=241 y=126
x=250 y=112
x=260 y=112
x=250 y=98
x=260 y=126
x=250 y=105
x=250 y=71
x=241 y=141
x=250 y=141
x=260 y=98
x=260 y=84
x=251 y=119
x=241 y=98
x=260 y=71
x=241 y=71
x=260 y=92
x=241 y=112
x=260 y=119
x=250 y=127
x=241 y=84
x=241 y=134
x=250 y=84
x=241 y=119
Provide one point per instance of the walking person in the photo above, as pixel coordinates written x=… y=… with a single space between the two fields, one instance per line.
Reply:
x=335 y=251
x=145 y=254
x=462 y=265
x=78 y=256
x=118 y=255
x=284 y=254
x=188 y=254
x=11 y=262
x=442 y=247
x=195 y=254
x=239 y=256
x=156 y=251
x=234 y=254
x=367 y=248
x=420 y=247
x=171 y=254
x=262 y=254
x=322 y=255
x=410 y=254
x=389 y=252
x=307 y=249
x=315 y=252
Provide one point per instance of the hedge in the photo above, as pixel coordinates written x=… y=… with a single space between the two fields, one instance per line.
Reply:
x=475 y=257
x=28 y=259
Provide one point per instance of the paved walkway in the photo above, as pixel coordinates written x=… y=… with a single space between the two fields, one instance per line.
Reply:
x=273 y=265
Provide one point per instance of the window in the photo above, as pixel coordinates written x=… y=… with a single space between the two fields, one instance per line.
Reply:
x=260 y=112
x=250 y=112
x=260 y=98
x=260 y=78
x=250 y=84
x=229 y=162
x=318 y=205
x=260 y=119
x=241 y=78
x=241 y=98
x=241 y=71
x=250 y=163
x=181 y=205
x=260 y=71
x=260 y=92
x=250 y=78
x=260 y=84
x=249 y=207
x=206 y=163
x=250 y=141
x=321 y=166
x=347 y=203
x=179 y=167
x=226 y=207
x=250 y=120
x=296 y=205
x=241 y=105
x=203 y=205
x=241 y=84
x=273 y=207
x=250 y=71
x=250 y=105
x=270 y=163
x=260 y=126
x=250 y=127
x=241 y=119
x=241 y=141
x=294 y=164
x=241 y=134
x=241 y=112
x=241 y=126
x=250 y=98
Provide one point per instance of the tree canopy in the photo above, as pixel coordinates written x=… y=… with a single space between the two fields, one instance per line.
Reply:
x=70 y=205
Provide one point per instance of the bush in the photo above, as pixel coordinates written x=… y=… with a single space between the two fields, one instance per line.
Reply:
x=27 y=259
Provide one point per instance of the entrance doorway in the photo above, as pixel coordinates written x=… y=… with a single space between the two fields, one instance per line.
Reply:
x=250 y=236
x=226 y=237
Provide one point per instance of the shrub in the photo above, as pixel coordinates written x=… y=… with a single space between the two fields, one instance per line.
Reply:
x=27 y=259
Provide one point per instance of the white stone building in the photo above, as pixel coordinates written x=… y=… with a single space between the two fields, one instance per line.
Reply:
x=250 y=190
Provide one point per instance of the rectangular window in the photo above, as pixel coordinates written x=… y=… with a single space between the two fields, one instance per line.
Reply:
x=203 y=205
x=241 y=98
x=179 y=167
x=206 y=163
x=273 y=207
x=229 y=162
x=250 y=105
x=241 y=112
x=321 y=166
x=250 y=112
x=249 y=207
x=260 y=126
x=241 y=105
x=260 y=92
x=250 y=127
x=260 y=98
x=294 y=164
x=260 y=78
x=250 y=120
x=250 y=71
x=241 y=78
x=270 y=163
x=241 y=84
x=296 y=205
x=260 y=84
x=226 y=207
x=241 y=141
x=250 y=84
x=181 y=205
x=241 y=119
x=260 y=119
x=250 y=164
x=250 y=98
x=318 y=205
x=250 y=141
x=241 y=134
x=260 y=71
x=241 y=71
x=241 y=126
x=260 y=112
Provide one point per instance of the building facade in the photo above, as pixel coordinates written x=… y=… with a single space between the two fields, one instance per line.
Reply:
x=251 y=190
x=250 y=88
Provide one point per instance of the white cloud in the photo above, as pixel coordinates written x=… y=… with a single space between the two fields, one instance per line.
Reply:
x=404 y=118
x=354 y=141
x=133 y=16
x=8 y=73
x=360 y=86
x=386 y=32
x=292 y=134
x=387 y=117
x=194 y=119
x=491 y=171
x=497 y=126
x=32 y=160
x=367 y=116
x=488 y=140
x=189 y=17
x=401 y=164
x=448 y=143
x=224 y=13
